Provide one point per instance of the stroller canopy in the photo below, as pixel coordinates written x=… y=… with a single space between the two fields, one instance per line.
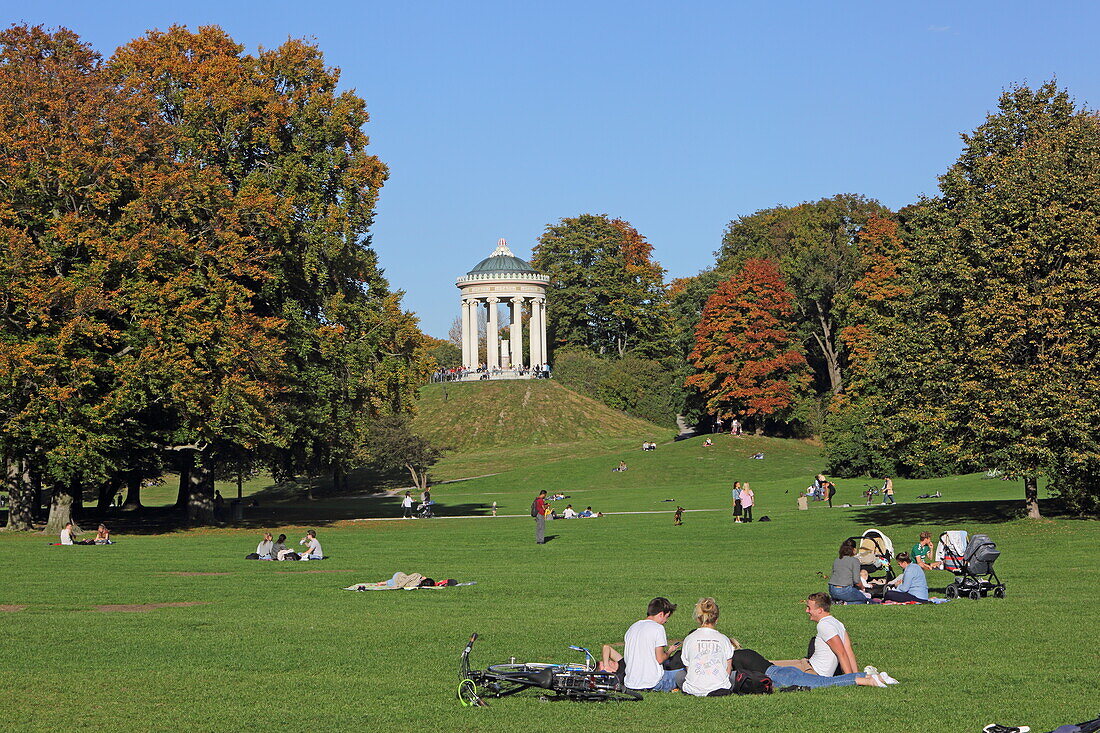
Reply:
x=876 y=543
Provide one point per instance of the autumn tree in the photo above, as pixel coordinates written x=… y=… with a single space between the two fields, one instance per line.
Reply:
x=606 y=292
x=815 y=245
x=747 y=359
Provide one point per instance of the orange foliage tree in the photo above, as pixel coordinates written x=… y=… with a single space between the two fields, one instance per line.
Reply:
x=746 y=358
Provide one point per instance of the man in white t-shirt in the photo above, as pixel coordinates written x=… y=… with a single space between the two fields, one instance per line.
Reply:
x=832 y=649
x=646 y=648
x=313 y=551
x=67 y=534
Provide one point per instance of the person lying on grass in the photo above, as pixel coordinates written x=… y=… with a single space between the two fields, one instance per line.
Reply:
x=832 y=648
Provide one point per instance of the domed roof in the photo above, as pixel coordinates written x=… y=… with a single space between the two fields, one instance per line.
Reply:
x=502 y=262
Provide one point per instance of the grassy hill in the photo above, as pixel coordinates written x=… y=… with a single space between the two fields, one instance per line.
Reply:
x=496 y=426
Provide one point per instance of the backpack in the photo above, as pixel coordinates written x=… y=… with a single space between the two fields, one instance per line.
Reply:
x=534 y=510
x=752 y=683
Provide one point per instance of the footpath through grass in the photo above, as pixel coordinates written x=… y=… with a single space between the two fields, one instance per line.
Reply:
x=280 y=645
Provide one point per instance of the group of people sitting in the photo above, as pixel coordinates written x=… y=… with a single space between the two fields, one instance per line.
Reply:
x=648 y=446
x=68 y=536
x=270 y=549
x=850 y=581
x=707 y=662
x=571 y=513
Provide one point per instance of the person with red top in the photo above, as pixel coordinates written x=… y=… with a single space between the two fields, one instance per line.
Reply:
x=538 y=511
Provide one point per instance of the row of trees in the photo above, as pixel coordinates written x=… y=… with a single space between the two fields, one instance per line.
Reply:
x=960 y=333
x=186 y=280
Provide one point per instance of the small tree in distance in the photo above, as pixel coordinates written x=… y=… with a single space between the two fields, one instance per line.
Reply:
x=747 y=360
x=392 y=445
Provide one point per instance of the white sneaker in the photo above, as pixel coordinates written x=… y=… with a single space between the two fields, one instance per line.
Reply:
x=869 y=670
x=877 y=679
x=887 y=678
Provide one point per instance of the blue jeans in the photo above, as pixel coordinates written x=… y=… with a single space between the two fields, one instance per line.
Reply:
x=670 y=680
x=787 y=676
x=848 y=594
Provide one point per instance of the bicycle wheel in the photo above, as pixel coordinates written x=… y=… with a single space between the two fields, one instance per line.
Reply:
x=605 y=693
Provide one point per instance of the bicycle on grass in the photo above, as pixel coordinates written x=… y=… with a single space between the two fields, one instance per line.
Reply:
x=579 y=682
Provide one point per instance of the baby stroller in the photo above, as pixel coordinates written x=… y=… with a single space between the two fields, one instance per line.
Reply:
x=971 y=560
x=875 y=552
x=424 y=510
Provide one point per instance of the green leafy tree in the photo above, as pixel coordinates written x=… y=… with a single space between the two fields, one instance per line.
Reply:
x=606 y=293
x=815 y=246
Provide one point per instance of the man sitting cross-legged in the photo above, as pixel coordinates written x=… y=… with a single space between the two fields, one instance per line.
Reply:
x=645 y=650
x=831 y=648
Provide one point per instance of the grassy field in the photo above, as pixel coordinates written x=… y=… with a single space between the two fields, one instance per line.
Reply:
x=280 y=646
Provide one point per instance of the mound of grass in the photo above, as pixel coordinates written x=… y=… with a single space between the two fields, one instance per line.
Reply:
x=472 y=417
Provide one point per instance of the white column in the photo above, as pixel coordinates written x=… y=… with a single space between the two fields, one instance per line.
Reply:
x=475 y=350
x=465 y=333
x=517 y=333
x=535 y=328
x=542 y=324
x=492 y=335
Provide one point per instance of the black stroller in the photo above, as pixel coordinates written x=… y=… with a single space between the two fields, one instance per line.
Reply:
x=972 y=563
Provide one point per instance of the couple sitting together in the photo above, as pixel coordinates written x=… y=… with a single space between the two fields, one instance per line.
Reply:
x=277 y=549
x=706 y=663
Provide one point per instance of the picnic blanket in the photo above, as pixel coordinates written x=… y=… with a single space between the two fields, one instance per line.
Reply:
x=406 y=581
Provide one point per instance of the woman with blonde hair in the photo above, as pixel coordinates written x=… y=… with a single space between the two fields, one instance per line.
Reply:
x=707 y=654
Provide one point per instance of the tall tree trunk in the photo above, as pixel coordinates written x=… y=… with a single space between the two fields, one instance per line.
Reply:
x=107 y=492
x=187 y=461
x=133 y=491
x=200 y=497
x=20 y=492
x=1031 y=497
x=36 y=493
x=825 y=340
x=62 y=504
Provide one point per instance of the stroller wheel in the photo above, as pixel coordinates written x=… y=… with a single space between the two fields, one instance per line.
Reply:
x=952 y=592
x=999 y=592
x=975 y=595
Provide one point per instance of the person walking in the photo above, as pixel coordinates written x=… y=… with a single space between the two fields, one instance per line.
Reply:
x=888 y=491
x=748 y=498
x=407 y=506
x=538 y=511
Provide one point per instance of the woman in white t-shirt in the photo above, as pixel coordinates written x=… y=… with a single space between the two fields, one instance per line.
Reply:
x=707 y=654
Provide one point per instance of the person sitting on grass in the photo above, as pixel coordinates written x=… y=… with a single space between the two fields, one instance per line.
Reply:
x=620 y=467
x=569 y=513
x=832 y=649
x=313 y=549
x=645 y=650
x=708 y=443
x=67 y=534
x=922 y=551
x=845 y=583
x=589 y=514
x=103 y=535
x=264 y=549
x=707 y=654
x=911 y=585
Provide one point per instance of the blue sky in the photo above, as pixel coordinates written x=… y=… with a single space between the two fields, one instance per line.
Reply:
x=499 y=118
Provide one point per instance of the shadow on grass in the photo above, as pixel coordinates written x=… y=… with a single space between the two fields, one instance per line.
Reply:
x=269 y=515
x=941 y=513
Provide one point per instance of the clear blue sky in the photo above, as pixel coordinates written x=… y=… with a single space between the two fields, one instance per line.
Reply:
x=499 y=118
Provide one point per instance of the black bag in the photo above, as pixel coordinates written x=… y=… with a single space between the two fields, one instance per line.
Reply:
x=534 y=510
x=292 y=556
x=752 y=683
x=252 y=556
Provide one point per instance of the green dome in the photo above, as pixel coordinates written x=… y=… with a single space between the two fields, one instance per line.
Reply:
x=503 y=262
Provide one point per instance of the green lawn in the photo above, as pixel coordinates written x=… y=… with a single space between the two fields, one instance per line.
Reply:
x=280 y=646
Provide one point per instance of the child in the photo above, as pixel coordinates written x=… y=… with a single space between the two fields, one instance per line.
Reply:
x=678 y=519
